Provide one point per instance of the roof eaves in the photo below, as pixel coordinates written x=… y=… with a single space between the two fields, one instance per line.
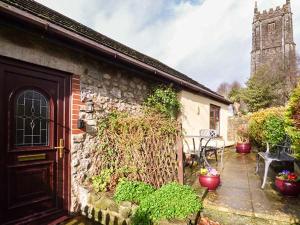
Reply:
x=58 y=29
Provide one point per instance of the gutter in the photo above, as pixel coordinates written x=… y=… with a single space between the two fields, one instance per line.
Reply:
x=55 y=29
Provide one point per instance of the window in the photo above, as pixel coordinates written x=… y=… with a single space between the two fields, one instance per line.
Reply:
x=31 y=119
x=271 y=27
x=214 y=118
x=288 y=23
x=257 y=31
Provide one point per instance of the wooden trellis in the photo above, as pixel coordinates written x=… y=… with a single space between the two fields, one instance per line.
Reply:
x=156 y=161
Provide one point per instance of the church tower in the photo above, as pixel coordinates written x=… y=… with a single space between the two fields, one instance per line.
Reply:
x=272 y=38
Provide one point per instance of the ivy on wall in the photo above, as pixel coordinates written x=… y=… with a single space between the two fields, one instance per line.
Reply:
x=164 y=100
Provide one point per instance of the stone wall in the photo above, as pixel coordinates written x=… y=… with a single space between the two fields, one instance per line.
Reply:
x=110 y=90
x=233 y=124
x=107 y=86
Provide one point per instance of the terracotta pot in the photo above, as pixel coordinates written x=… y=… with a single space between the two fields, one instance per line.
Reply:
x=211 y=182
x=243 y=147
x=288 y=188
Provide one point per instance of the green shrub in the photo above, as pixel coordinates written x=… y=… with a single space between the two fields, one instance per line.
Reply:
x=132 y=191
x=101 y=181
x=170 y=201
x=292 y=120
x=165 y=101
x=273 y=130
x=257 y=123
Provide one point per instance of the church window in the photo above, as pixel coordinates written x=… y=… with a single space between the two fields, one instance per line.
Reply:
x=271 y=27
x=257 y=31
x=288 y=24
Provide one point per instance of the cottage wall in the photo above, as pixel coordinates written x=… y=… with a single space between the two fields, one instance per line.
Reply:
x=195 y=115
x=106 y=85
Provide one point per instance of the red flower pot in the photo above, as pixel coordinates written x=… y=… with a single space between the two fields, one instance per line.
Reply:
x=243 y=147
x=211 y=182
x=288 y=188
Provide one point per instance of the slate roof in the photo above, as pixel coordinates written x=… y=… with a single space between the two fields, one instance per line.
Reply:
x=54 y=17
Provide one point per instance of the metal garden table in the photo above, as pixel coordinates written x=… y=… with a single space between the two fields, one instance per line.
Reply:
x=200 y=145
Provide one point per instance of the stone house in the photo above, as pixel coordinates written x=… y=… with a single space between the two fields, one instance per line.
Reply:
x=57 y=77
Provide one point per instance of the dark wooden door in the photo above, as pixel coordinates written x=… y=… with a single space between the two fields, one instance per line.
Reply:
x=34 y=177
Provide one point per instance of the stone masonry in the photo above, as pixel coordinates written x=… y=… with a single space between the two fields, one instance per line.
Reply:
x=234 y=123
x=108 y=91
x=105 y=85
x=272 y=38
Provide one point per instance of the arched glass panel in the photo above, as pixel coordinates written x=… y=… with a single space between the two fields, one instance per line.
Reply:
x=31 y=119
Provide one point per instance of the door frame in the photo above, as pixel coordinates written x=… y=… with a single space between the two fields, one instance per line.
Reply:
x=66 y=131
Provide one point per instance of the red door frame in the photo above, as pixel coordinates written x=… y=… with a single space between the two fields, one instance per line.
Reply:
x=4 y=61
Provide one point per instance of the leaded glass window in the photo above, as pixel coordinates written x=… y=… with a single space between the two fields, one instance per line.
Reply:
x=31 y=119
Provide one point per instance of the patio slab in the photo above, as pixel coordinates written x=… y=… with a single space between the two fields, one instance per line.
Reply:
x=240 y=195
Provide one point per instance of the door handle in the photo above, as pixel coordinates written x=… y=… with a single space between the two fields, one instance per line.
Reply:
x=60 y=148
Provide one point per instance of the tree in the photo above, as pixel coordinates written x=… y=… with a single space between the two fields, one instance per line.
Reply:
x=224 y=89
x=258 y=93
x=271 y=85
x=239 y=106
x=232 y=92
x=235 y=91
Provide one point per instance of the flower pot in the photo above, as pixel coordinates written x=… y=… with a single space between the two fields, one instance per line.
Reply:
x=211 y=182
x=288 y=188
x=243 y=147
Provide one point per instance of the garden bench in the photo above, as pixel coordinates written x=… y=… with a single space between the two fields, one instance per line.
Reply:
x=282 y=153
x=198 y=146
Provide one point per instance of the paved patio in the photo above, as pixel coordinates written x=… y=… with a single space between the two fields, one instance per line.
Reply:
x=240 y=200
x=79 y=220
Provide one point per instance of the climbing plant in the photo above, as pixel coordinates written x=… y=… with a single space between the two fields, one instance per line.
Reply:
x=164 y=100
x=139 y=147
x=292 y=120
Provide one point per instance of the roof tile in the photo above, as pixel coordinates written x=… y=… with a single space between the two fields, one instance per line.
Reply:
x=54 y=17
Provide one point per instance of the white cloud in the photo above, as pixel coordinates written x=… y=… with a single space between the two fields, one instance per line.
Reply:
x=210 y=42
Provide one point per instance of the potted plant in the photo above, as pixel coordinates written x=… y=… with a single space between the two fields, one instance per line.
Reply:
x=243 y=144
x=288 y=183
x=209 y=178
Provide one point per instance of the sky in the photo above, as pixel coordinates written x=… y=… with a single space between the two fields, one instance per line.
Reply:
x=208 y=40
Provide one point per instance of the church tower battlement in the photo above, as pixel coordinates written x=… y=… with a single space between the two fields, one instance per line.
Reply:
x=272 y=37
